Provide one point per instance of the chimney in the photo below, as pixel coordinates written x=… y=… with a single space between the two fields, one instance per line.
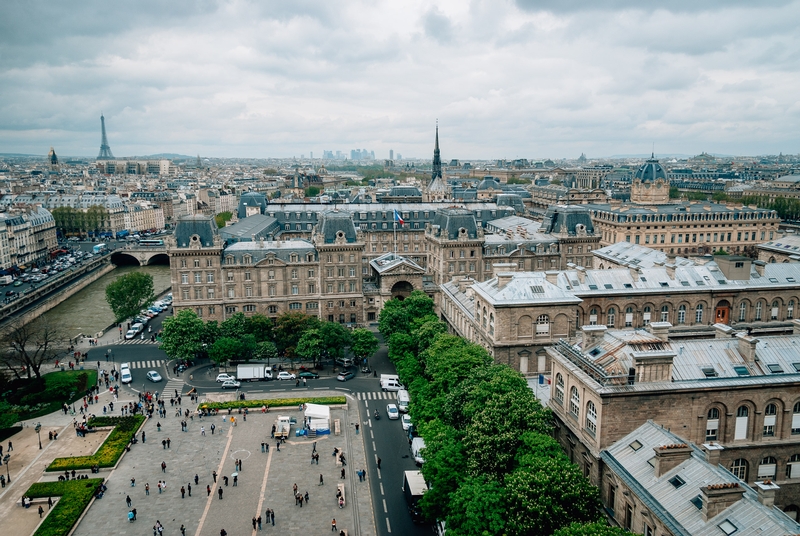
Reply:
x=464 y=284
x=766 y=492
x=718 y=497
x=713 y=452
x=581 y=274
x=592 y=335
x=634 y=272
x=552 y=277
x=670 y=267
x=723 y=331
x=655 y=366
x=503 y=267
x=747 y=347
x=660 y=330
x=760 y=267
x=668 y=457
x=504 y=279
x=796 y=326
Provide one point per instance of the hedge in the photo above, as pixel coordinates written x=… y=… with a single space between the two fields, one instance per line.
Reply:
x=112 y=448
x=274 y=402
x=75 y=496
x=5 y=433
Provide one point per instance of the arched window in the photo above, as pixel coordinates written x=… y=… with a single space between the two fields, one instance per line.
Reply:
x=712 y=425
x=611 y=317
x=767 y=468
x=574 y=402
x=793 y=467
x=560 y=389
x=770 y=414
x=758 y=311
x=774 y=313
x=629 y=317
x=543 y=325
x=646 y=315
x=665 y=313
x=491 y=323
x=682 y=314
x=593 y=317
x=742 y=311
x=739 y=469
x=790 y=310
x=591 y=417
x=796 y=419
x=741 y=423
x=698 y=314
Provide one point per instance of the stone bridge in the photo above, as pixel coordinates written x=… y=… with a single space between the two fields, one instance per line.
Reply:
x=140 y=255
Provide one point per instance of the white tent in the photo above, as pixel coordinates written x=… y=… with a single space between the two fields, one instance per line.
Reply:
x=318 y=417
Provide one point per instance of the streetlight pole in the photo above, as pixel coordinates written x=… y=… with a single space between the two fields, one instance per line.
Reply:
x=38 y=429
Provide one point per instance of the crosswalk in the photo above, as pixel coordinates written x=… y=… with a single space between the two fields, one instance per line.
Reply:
x=151 y=364
x=137 y=341
x=377 y=395
x=173 y=386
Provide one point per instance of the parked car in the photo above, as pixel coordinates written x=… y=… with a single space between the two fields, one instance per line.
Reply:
x=154 y=376
x=406 y=422
x=283 y=375
x=392 y=412
x=131 y=333
x=309 y=374
x=231 y=384
x=225 y=377
x=346 y=375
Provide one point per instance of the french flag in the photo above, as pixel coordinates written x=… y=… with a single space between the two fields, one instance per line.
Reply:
x=398 y=219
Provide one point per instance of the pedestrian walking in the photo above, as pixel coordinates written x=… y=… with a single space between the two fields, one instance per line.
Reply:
x=168 y=442
x=306 y=497
x=333 y=524
x=235 y=480
x=164 y=444
x=128 y=500
x=321 y=482
x=214 y=474
x=189 y=489
x=225 y=479
x=258 y=521
x=134 y=514
x=300 y=498
x=183 y=530
x=342 y=472
x=272 y=516
x=147 y=488
x=213 y=427
x=49 y=503
x=208 y=490
x=223 y=532
x=41 y=511
x=220 y=493
x=163 y=467
x=294 y=489
x=183 y=492
x=356 y=428
x=196 y=479
x=202 y=430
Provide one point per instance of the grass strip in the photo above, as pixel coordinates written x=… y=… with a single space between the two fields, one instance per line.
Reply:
x=274 y=402
x=110 y=451
x=75 y=496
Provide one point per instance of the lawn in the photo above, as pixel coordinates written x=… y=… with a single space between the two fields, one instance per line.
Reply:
x=31 y=399
x=274 y=402
x=110 y=451
x=75 y=496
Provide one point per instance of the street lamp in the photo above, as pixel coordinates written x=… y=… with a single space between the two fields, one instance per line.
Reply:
x=5 y=460
x=38 y=429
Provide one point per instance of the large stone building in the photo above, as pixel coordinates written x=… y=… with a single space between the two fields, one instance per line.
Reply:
x=738 y=395
x=27 y=236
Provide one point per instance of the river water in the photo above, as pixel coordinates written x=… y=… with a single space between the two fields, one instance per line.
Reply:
x=87 y=310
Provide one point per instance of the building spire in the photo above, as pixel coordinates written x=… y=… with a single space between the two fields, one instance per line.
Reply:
x=436 y=172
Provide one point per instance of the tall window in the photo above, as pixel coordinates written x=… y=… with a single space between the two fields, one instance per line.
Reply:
x=591 y=417
x=767 y=468
x=682 y=314
x=739 y=469
x=742 y=311
x=629 y=317
x=796 y=419
x=774 y=313
x=742 y=415
x=770 y=415
x=758 y=311
x=712 y=425
x=611 y=316
x=560 y=389
x=698 y=314
x=574 y=402
x=790 y=310
x=646 y=315
x=294 y=273
x=793 y=467
x=593 y=317
x=664 y=313
x=543 y=325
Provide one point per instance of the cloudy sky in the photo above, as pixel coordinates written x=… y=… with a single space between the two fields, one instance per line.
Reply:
x=528 y=79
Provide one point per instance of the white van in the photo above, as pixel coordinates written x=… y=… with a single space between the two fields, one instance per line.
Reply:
x=391 y=382
x=403 y=399
x=417 y=444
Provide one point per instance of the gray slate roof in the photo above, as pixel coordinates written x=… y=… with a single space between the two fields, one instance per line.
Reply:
x=203 y=226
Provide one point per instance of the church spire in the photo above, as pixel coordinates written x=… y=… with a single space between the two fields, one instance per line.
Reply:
x=436 y=172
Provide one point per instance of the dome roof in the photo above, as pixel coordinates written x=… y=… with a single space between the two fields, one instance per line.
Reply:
x=650 y=171
x=489 y=183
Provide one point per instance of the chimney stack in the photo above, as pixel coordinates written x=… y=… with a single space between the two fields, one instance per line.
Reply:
x=504 y=279
x=766 y=492
x=592 y=335
x=668 y=457
x=760 y=267
x=718 y=497
x=660 y=330
x=654 y=366
x=581 y=274
x=747 y=347
x=796 y=326
x=723 y=331
x=634 y=272
x=670 y=267
x=713 y=452
x=551 y=277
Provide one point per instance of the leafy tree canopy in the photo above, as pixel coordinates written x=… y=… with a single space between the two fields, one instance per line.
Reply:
x=289 y=327
x=129 y=293
x=363 y=343
x=312 y=191
x=222 y=218
x=590 y=529
x=182 y=335
x=309 y=345
x=334 y=339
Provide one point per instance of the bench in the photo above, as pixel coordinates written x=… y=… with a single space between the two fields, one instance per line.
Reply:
x=37 y=500
x=340 y=487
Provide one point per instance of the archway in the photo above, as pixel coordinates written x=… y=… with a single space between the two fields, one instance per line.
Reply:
x=161 y=258
x=722 y=314
x=124 y=259
x=402 y=290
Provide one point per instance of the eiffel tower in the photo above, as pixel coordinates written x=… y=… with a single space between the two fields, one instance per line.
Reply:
x=105 y=150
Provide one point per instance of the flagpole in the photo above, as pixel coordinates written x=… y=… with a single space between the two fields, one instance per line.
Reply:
x=395 y=232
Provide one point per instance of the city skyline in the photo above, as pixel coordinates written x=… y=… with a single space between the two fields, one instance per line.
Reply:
x=506 y=80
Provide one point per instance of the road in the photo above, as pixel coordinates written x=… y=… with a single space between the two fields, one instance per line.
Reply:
x=383 y=438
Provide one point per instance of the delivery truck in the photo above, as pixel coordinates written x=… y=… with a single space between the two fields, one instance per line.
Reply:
x=253 y=372
x=414 y=487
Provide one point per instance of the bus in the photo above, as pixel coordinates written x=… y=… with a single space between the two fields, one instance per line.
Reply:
x=151 y=243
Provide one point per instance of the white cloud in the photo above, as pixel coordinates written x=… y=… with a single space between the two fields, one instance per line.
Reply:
x=505 y=79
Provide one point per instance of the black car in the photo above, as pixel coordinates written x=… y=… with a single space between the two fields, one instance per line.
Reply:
x=308 y=374
x=10 y=292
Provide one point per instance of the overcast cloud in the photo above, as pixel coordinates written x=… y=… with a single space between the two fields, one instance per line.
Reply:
x=528 y=79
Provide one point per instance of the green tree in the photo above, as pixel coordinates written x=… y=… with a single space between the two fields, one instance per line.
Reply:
x=590 y=529
x=478 y=508
x=260 y=327
x=719 y=196
x=309 y=345
x=312 y=191
x=182 y=335
x=720 y=251
x=235 y=326
x=225 y=350
x=129 y=293
x=266 y=350
x=674 y=193
x=222 y=218
x=363 y=343
x=334 y=339
x=289 y=327
x=393 y=318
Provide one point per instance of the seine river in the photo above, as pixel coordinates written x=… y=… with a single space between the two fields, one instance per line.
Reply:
x=88 y=312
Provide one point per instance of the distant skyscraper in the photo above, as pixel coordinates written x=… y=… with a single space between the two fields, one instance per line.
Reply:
x=312 y=155
x=391 y=154
x=105 y=150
